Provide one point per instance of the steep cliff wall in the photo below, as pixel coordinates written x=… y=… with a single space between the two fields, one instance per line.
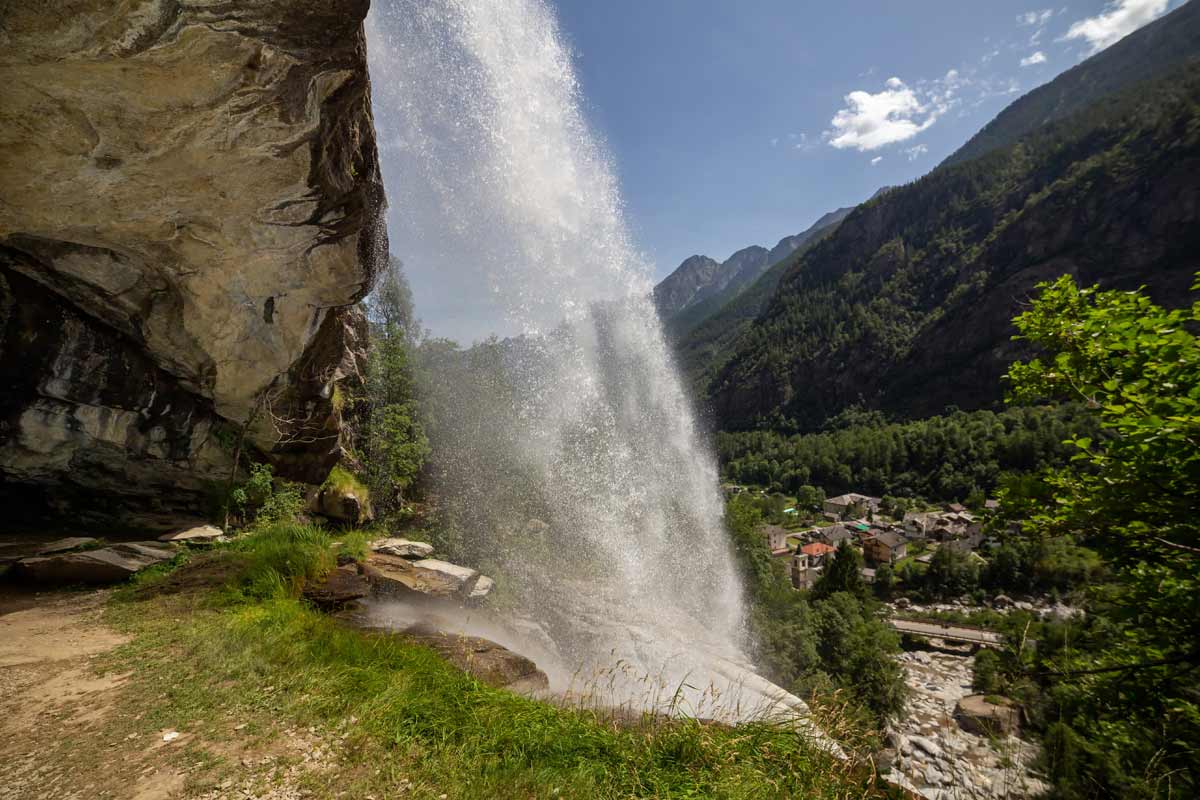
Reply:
x=189 y=205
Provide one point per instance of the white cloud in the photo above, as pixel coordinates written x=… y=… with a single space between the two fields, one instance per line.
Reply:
x=876 y=160
x=1120 y=18
x=895 y=114
x=1032 y=18
x=774 y=141
x=916 y=151
x=1037 y=58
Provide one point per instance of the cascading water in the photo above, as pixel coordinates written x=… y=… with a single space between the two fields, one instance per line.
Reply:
x=584 y=481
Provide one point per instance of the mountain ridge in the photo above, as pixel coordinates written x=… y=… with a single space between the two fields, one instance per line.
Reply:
x=906 y=307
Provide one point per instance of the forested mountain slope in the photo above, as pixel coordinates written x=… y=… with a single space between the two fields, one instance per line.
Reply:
x=906 y=306
x=1162 y=45
x=705 y=331
x=700 y=287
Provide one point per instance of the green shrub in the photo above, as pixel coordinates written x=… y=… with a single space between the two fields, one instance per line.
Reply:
x=280 y=556
x=264 y=499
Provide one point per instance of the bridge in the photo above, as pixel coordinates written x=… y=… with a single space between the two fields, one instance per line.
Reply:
x=951 y=633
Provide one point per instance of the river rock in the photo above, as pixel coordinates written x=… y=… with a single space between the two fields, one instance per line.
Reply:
x=101 y=566
x=199 y=534
x=928 y=746
x=191 y=210
x=975 y=714
x=402 y=547
x=339 y=587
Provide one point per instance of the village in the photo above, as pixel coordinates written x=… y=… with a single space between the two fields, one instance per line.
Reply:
x=883 y=533
x=954 y=741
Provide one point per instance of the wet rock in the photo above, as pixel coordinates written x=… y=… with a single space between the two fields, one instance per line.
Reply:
x=341 y=586
x=491 y=663
x=462 y=578
x=430 y=577
x=199 y=534
x=402 y=547
x=101 y=566
x=66 y=545
x=483 y=587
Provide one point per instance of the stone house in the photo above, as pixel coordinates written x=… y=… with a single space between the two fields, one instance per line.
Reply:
x=886 y=548
x=834 y=535
x=847 y=504
x=777 y=541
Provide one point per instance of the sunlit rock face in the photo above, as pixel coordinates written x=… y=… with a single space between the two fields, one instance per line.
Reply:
x=189 y=202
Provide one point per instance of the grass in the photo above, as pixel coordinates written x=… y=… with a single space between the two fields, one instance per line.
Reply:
x=410 y=721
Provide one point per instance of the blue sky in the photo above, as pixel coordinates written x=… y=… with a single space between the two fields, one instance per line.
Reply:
x=736 y=123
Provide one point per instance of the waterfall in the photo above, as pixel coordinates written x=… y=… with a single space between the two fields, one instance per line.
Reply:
x=582 y=474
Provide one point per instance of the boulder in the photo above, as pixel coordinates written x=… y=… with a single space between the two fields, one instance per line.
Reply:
x=1002 y=601
x=902 y=602
x=978 y=715
x=463 y=578
x=66 y=545
x=483 y=587
x=338 y=588
x=341 y=505
x=402 y=547
x=390 y=574
x=101 y=566
x=200 y=534
x=485 y=660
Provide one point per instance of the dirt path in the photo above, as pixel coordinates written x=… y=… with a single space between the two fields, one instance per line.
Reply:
x=71 y=728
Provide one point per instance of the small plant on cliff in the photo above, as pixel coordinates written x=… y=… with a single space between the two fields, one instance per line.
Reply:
x=265 y=499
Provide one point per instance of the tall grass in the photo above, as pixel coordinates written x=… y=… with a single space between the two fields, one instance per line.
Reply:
x=438 y=726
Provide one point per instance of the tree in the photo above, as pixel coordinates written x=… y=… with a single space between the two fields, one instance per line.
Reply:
x=843 y=574
x=392 y=444
x=951 y=573
x=857 y=650
x=1125 y=694
x=810 y=497
x=885 y=581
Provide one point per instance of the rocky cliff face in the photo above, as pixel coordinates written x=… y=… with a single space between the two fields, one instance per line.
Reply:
x=189 y=206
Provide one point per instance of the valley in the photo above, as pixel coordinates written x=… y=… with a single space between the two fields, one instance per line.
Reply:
x=358 y=441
